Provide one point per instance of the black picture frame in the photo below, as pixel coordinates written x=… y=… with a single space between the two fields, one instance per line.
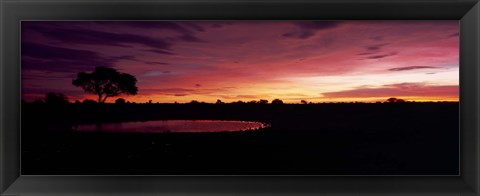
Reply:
x=14 y=11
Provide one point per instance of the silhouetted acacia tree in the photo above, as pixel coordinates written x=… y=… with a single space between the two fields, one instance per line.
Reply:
x=55 y=99
x=120 y=101
x=303 y=102
x=106 y=82
x=277 y=101
x=219 y=101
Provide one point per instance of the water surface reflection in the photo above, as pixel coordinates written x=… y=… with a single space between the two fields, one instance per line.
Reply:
x=166 y=126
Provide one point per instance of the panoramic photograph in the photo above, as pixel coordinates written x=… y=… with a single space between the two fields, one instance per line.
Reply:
x=240 y=97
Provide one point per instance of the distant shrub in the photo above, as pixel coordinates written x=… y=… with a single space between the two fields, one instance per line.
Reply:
x=89 y=102
x=39 y=102
x=395 y=100
x=55 y=99
x=263 y=101
x=194 y=102
x=120 y=101
x=277 y=101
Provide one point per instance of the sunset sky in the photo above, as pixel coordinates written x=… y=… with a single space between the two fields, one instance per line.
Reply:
x=317 y=61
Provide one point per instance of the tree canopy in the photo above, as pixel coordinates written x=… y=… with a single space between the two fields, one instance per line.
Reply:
x=106 y=82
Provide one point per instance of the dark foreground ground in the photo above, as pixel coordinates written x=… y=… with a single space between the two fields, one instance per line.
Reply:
x=313 y=139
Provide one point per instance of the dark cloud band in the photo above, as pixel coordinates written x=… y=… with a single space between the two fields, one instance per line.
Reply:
x=411 y=68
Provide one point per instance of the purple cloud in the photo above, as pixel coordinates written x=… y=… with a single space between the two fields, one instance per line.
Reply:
x=454 y=34
x=308 y=29
x=381 y=56
x=317 y=25
x=168 y=90
x=364 y=53
x=95 y=37
x=157 y=25
x=190 y=38
x=412 y=68
x=376 y=38
x=393 y=90
x=376 y=46
x=155 y=63
x=58 y=59
x=159 y=51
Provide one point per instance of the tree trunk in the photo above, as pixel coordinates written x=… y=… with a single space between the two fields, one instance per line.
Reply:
x=104 y=99
x=99 y=98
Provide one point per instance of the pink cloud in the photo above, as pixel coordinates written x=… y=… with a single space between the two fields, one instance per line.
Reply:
x=398 y=90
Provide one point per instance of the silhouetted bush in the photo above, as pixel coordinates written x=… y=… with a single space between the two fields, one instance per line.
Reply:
x=277 y=101
x=89 y=102
x=238 y=102
x=55 y=99
x=194 y=102
x=395 y=100
x=120 y=101
x=263 y=101
x=39 y=102
x=392 y=100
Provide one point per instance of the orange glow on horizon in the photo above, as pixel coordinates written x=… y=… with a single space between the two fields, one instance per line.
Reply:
x=146 y=99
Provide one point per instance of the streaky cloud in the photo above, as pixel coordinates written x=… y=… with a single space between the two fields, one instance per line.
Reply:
x=308 y=29
x=412 y=68
x=59 y=59
x=318 y=25
x=397 y=90
x=190 y=38
x=381 y=56
x=159 y=51
x=376 y=38
x=375 y=46
x=96 y=37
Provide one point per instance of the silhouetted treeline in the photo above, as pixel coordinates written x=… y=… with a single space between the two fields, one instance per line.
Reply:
x=330 y=114
x=58 y=99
